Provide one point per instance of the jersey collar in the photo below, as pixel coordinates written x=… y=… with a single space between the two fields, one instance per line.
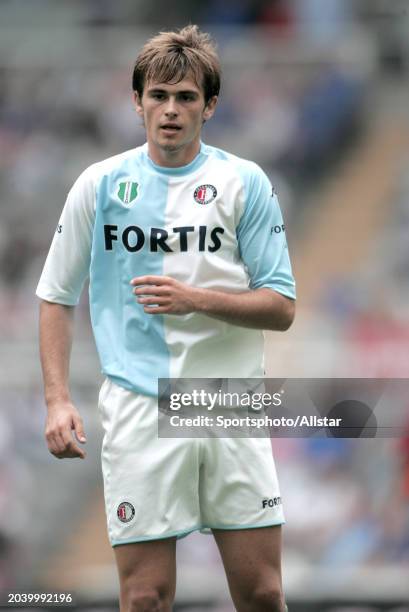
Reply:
x=179 y=170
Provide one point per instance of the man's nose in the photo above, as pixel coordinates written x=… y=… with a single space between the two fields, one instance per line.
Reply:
x=171 y=106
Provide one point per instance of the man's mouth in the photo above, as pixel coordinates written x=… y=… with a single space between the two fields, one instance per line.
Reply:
x=170 y=127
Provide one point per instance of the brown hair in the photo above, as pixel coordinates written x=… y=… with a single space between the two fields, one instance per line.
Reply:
x=169 y=56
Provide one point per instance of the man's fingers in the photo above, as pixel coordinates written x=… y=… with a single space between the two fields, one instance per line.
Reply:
x=71 y=454
x=71 y=447
x=73 y=451
x=53 y=447
x=154 y=300
x=151 y=280
x=60 y=442
x=62 y=445
x=79 y=429
x=76 y=451
x=55 y=443
x=151 y=290
x=156 y=309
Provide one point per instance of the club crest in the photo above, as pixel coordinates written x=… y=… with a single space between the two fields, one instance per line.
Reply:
x=127 y=192
x=125 y=512
x=204 y=194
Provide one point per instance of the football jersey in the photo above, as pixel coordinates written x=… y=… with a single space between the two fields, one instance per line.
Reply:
x=214 y=223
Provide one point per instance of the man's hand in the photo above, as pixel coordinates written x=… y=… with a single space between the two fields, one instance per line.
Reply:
x=170 y=295
x=63 y=418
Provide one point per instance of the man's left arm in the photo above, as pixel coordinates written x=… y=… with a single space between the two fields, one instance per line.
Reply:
x=261 y=308
x=270 y=301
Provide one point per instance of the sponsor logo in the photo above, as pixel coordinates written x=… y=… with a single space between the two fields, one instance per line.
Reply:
x=277 y=229
x=134 y=238
x=271 y=503
x=127 y=192
x=125 y=512
x=59 y=229
x=204 y=194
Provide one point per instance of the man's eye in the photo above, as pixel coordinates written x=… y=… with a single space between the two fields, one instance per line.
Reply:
x=187 y=97
x=158 y=96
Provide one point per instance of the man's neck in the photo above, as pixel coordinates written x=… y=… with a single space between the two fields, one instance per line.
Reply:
x=175 y=158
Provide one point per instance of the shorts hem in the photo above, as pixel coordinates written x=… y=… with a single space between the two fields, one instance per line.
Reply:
x=251 y=526
x=163 y=536
x=204 y=529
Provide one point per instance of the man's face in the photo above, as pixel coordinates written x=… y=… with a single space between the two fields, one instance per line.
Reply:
x=173 y=115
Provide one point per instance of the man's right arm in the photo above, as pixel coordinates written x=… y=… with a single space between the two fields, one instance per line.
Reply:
x=59 y=289
x=56 y=332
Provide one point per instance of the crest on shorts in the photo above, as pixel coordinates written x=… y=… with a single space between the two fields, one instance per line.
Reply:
x=125 y=512
x=204 y=194
x=127 y=192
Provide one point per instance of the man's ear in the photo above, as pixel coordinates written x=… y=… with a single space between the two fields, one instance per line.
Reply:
x=138 y=103
x=210 y=108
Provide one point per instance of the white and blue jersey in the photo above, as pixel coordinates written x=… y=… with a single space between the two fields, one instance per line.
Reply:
x=214 y=223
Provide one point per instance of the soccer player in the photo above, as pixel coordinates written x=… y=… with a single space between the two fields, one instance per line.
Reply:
x=185 y=248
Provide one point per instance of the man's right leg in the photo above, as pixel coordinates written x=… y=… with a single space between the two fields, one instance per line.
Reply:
x=147 y=575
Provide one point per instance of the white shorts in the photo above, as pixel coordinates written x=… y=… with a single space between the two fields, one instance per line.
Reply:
x=164 y=487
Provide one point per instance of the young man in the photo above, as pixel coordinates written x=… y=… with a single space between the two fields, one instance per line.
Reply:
x=185 y=248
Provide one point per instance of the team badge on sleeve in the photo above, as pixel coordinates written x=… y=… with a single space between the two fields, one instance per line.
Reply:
x=127 y=192
x=125 y=512
x=204 y=194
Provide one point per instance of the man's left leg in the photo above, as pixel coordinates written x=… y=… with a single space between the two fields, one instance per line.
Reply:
x=252 y=560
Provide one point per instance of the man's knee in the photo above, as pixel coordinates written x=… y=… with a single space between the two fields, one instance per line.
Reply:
x=145 y=600
x=266 y=598
x=269 y=598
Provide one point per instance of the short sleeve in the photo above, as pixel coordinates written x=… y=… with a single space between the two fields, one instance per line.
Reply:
x=67 y=264
x=262 y=238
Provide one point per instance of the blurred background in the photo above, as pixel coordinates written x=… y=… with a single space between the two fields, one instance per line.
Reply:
x=317 y=93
